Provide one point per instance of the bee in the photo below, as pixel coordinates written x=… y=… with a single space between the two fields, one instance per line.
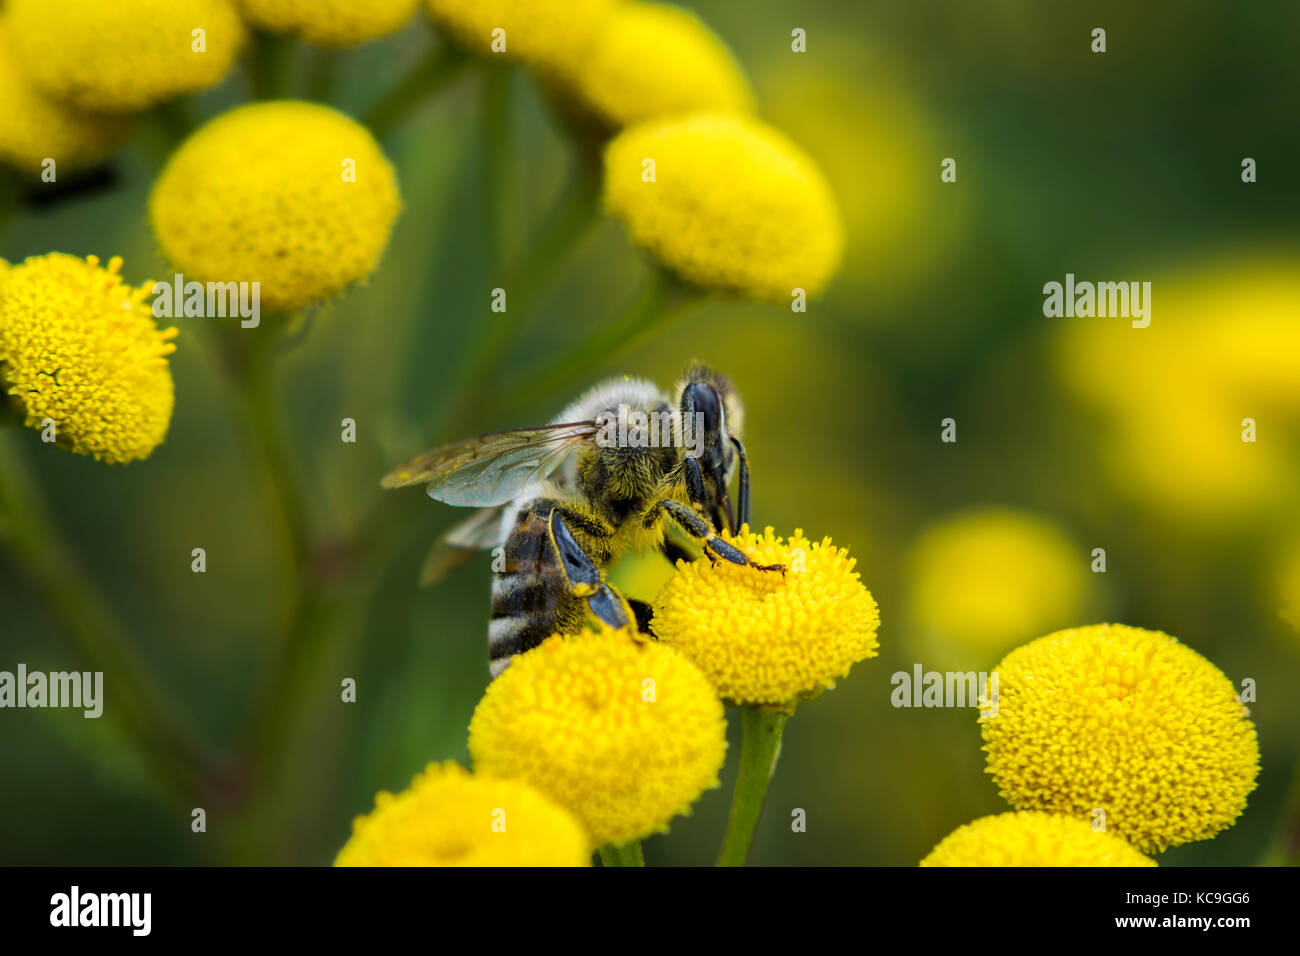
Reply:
x=611 y=474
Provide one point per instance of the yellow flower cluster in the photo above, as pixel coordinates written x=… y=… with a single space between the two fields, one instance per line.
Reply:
x=35 y=127
x=80 y=348
x=1127 y=721
x=727 y=203
x=126 y=55
x=624 y=734
x=990 y=578
x=651 y=60
x=767 y=638
x=330 y=22
x=448 y=817
x=293 y=195
x=542 y=33
x=1031 y=838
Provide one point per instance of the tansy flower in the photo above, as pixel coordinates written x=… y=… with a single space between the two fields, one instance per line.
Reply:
x=652 y=60
x=1127 y=721
x=1032 y=838
x=767 y=638
x=34 y=127
x=330 y=22
x=727 y=203
x=991 y=578
x=126 y=55
x=625 y=734
x=449 y=818
x=292 y=195
x=79 y=347
x=543 y=33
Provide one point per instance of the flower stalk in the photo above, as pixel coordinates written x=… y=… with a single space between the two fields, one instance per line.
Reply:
x=629 y=854
x=760 y=745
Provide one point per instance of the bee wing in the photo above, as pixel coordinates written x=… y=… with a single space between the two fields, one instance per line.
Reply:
x=479 y=532
x=492 y=469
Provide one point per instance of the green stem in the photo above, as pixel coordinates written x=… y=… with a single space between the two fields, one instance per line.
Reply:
x=272 y=62
x=443 y=64
x=760 y=745
x=629 y=854
x=133 y=698
x=322 y=78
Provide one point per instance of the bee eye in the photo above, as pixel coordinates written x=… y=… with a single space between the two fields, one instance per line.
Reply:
x=700 y=398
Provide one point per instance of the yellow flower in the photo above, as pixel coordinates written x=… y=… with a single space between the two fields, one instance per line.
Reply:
x=765 y=638
x=330 y=22
x=727 y=203
x=448 y=817
x=988 y=579
x=293 y=195
x=650 y=60
x=625 y=734
x=125 y=55
x=34 y=127
x=79 y=347
x=1031 y=838
x=1127 y=721
x=543 y=33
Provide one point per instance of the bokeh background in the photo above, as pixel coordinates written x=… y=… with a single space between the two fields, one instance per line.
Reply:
x=1073 y=434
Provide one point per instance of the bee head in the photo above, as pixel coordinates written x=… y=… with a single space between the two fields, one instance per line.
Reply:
x=711 y=413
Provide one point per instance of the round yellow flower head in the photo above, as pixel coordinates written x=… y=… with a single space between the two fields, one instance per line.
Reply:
x=651 y=60
x=626 y=734
x=542 y=33
x=330 y=22
x=79 y=347
x=34 y=127
x=1033 y=838
x=448 y=817
x=293 y=195
x=727 y=203
x=989 y=579
x=126 y=55
x=767 y=638
x=1127 y=721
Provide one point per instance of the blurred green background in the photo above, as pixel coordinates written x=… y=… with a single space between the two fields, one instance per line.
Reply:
x=1122 y=166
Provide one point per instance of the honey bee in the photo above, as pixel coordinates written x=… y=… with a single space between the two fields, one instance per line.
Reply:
x=609 y=475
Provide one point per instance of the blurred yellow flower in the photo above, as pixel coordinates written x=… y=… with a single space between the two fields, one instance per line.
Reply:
x=330 y=22
x=34 y=127
x=763 y=637
x=448 y=817
x=542 y=33
x=1032 y=838
x=126 y=55
x=987 y=579
x=625 y=734
x=1127 y=721
x=80 y=348
x=652 y=60
x=727 y=203
x=293 y=195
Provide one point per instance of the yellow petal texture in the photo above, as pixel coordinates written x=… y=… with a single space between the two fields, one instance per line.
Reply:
x=544 y=33
x=79 y=347
x=1031 y=838
x=733 y=204
x=330 y=22
x=262 y=194
x=1127 y=721
x=991 y=578
x=124 y=55
x=626 y=734
x=764 y=638
x=448 y=817
x=35 y=127
x=652 y=60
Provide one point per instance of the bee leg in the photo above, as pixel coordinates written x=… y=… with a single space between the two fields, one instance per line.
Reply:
x=696 y=493
x=644 y=612
x=584 y=577
x=742 y=490
x=715 y=548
